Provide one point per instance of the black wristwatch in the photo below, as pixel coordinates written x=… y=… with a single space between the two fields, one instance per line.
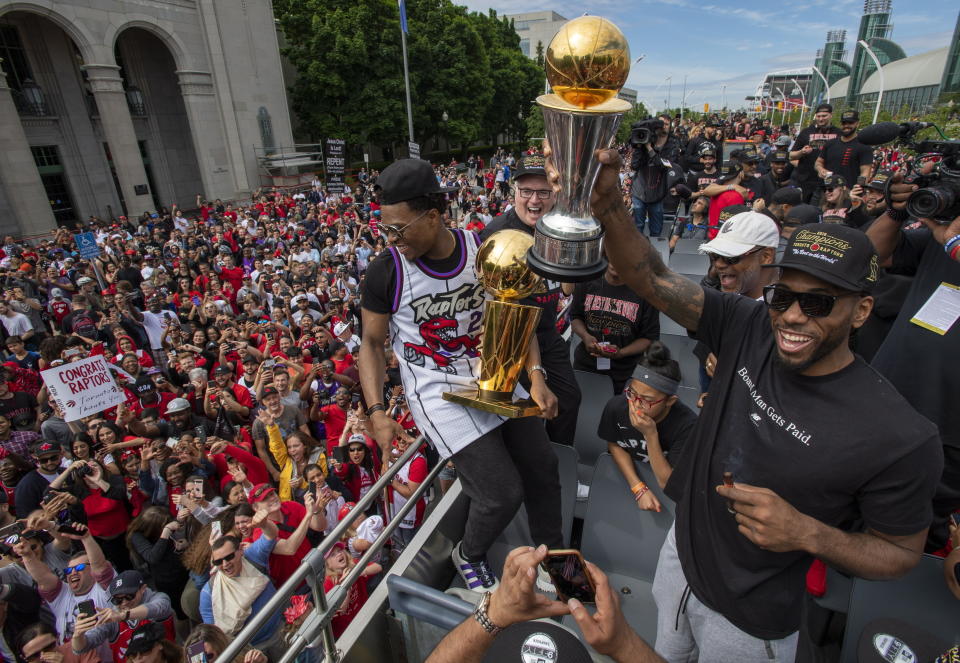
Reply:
x=376 y=407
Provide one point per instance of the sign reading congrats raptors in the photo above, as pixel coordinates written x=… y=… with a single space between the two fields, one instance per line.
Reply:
x=83 y=387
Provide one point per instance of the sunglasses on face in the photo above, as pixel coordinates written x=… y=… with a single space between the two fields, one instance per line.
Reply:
x=812 y=304
x=713 y=257
x=120 y=598
x=355 y=449
x=225 y=558
x=390 y=229
x=643 y=400
x=78 y=568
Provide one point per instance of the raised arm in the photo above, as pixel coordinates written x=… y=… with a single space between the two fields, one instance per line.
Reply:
x=632 y=254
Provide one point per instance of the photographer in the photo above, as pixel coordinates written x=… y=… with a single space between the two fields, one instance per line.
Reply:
x=653 y=173
x=914 y=357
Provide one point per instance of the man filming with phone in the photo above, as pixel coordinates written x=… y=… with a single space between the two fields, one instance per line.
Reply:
x=799 y=439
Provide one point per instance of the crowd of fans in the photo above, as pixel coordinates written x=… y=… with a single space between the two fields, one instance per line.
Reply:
x=246 y=434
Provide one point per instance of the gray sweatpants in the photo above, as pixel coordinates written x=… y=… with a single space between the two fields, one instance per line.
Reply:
x=689 y=631
x=512 y=464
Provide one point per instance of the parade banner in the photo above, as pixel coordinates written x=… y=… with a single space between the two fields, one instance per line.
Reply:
x=83 y=387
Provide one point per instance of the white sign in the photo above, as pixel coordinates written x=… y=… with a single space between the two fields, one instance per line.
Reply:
x=413 y=149
x=82 y=388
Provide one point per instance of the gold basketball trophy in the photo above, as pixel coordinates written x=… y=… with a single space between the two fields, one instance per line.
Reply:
x=507 y=326
x=587 y=63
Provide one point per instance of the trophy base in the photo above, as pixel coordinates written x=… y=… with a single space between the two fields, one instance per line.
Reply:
x=515 y=409
x=566 y=273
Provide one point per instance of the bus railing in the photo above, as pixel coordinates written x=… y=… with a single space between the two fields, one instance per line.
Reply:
x=317 y=630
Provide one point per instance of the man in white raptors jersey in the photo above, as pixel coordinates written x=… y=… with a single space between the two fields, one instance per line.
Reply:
x=423 y=296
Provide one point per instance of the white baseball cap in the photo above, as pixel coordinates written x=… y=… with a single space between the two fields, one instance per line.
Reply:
x=340 y=327
x=742 y=233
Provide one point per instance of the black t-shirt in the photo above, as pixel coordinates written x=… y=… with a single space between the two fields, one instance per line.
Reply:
x=761 y=187
x=613 y=314
x=672 y=432
x=699 y=180
x=547 y=300
x=380 y=282
x=130 y=274
x=920 y=363
x=816 y=138
x=845 y=158
x=21 y=410
x=840 y=448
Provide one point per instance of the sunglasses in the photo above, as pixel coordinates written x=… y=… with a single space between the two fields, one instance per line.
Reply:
x=812 y=304
x=645 y=402
x=225 y=558
x=352 y=449
x=78 y=568
x=47 y=459
x=713 y=257
x=390 y=229
x=120 y=598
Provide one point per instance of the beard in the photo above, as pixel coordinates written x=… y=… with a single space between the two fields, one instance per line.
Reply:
x=846 y=133
x=829 y=343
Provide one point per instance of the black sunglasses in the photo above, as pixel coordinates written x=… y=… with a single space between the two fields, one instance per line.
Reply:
x=733 y=260
x=225 y=558
x=813 y=304
x=120 y=598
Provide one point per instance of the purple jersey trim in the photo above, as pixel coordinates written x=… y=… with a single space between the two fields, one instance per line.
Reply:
x=459 y=268
x=399 y=287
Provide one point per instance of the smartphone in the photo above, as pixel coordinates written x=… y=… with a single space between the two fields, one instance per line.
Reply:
x=196 y=302
x=201 y=434
x=269 y=363
x=196 y=653
x=568 y=571
x=862 y=181
x=341 y=455
x=69 y=528
x=87 y=608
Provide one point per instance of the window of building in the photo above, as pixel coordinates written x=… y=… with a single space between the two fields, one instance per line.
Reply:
x=47 y=158
x=14 y=64
x=525 y=46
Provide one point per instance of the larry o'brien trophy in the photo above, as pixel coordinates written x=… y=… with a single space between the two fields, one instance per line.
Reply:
x=587 y=63
x=507 y=326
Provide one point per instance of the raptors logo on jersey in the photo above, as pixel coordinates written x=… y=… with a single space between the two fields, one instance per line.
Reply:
x=441 y=339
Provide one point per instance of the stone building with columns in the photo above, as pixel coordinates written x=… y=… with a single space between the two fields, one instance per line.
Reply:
x=111 y=107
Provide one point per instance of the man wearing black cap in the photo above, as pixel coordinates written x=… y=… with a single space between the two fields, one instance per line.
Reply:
x=778 y=175
x=710 y=137
x=135 y=605
x=806 y=150
x=423 y=294
x=846 y=155
x=809 y=436
x=532 y=199
x=706 y=172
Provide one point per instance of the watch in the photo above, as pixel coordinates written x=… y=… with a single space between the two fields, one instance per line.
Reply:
x=480 y=614
x=538 y=367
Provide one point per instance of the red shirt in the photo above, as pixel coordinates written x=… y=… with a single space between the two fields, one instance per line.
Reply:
x=233 y=276
x=356 y=597
x=105 y=517
x=334 y=422
x=340 y=365
x=717 y=204
x=125 y=631
x=283 y=566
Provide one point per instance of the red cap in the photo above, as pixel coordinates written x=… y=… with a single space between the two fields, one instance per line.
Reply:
x=261 y=492
x=345 y=510
x=339 y=545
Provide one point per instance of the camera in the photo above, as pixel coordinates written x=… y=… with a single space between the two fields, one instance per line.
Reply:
x=644 y=132
x=939 y=195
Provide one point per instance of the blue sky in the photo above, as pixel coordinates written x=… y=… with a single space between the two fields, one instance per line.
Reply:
x=718 y=42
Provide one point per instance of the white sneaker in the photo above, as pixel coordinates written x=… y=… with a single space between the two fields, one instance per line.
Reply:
x=544 y=582
x=477 y=576
x=583 y=492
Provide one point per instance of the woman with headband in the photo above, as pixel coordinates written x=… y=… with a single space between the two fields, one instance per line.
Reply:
x=646 y=423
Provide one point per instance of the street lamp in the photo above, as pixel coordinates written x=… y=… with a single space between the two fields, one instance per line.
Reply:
x=783 y=100
x=444 y=118
x=876 y=61
x=803 y=100
x=826 y=85
x=33 y=93
x=135 y=101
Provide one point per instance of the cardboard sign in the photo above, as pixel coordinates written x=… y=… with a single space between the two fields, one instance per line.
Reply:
x=83 y=387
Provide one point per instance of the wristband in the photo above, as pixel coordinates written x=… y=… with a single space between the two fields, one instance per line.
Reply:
x=955 y=253
x=376 y=407
x=637 y=486
x=900 y=215
x=643 y=491
x=948 y=245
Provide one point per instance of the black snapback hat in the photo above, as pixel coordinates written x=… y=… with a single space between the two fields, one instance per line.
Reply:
x=835 y=253
x=528 y=642
x=406 y=179
x=532 y=164
x=885 y=640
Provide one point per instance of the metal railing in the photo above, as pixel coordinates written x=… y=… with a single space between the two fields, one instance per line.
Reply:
x=316 y=628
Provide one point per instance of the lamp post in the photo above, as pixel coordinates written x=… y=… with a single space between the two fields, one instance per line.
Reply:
x=723 y=97
x=683 y=104
x=826 y=85
x=444 y=119
x=803 y=100
x=33 y=94
x=876 y=61
x=669 y=86
x=783 y=100
x=135 y=101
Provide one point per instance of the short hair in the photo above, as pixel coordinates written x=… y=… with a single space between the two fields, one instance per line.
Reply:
x=14 y=339
x=224 y=540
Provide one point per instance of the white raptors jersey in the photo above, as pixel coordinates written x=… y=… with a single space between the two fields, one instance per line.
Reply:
x=435 y=333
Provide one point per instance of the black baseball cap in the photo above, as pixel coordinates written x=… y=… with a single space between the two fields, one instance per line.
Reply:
x=834 y=180
x=144 y=638
x=745 y=155
x=889 y=639
x=801 y=215
x=788 y=195
x=406 y=179
x=731 y=211
x=126 y=583
x=879 y=181
x=144 y=385
x=835 y=253
x=850 y=116
x=780 y=156
x=824 y=107
x=531 y=164
x=537 y=641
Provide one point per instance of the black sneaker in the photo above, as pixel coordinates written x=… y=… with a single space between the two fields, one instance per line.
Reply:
x=477 y=576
